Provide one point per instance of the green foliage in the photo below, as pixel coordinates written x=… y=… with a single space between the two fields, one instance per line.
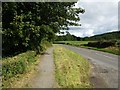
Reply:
x=74 y=43
x=101 y=44
x=101 y=37
x=114 y=49
x=27 y=24
x=105 y=36
x=68 y=37
x=18 y=64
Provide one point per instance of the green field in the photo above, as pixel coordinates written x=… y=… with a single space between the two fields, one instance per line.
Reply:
x=74 y=43
x=71 y=69
x=111 y=49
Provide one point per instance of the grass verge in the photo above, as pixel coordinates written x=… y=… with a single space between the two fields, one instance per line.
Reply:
x=112 y=49
x=18 y=69
x=72 y=70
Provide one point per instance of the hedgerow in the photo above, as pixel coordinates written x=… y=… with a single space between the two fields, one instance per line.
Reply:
x=18 y=64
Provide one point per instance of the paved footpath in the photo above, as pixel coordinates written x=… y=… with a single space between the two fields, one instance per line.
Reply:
x=45 y=77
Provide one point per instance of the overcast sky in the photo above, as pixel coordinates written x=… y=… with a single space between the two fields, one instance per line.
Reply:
x=100 y=16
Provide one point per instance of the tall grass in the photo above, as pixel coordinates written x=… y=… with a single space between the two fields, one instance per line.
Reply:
x=72 y=70
x=16 y=66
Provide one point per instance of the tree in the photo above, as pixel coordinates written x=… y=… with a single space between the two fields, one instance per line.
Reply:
x=26 y=25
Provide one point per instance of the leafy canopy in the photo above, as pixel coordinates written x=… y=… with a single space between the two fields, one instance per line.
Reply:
x=26 y=25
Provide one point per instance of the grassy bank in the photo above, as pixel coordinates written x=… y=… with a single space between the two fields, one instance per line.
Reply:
x=18 y=69
x=111 y=49
x=72 y=71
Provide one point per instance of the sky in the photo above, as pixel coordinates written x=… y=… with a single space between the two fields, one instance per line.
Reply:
x=101 y=16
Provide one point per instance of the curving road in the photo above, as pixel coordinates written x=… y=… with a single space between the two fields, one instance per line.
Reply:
x=106 y=64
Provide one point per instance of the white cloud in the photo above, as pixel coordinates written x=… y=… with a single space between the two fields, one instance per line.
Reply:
x=81 y=32
x=99 y=0
x=113 y=30
x=89 y=32
x=78 y=34
x=86 y=25
x=99 y=17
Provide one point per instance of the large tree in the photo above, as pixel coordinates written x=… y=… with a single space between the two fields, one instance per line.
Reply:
x=29 y=24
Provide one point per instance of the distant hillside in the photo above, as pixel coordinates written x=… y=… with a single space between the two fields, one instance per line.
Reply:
x=105 y=36
x=68 y=37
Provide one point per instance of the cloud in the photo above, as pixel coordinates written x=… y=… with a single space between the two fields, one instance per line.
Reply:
x=89 y=32
x=82 y=32
x=100 y=0
x=99 y=17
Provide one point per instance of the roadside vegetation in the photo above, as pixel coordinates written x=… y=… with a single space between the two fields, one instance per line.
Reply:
x=28 y=29
x=17 y=67
x=71 y=69
x=29 y=25
x=110 y=46
x=107 y=42
x=74 y=43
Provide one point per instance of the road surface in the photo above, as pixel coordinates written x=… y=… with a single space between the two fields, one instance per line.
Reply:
x=105 y=64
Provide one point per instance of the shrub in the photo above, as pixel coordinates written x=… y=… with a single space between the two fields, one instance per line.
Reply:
x=101 y=44
x=17 y=64
x=59 y=42
x=118 y=43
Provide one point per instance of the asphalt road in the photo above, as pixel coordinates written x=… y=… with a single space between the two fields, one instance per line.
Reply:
x=106 y=64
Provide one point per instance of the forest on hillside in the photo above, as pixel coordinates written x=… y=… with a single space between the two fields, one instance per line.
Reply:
x=105 y=36
x=100 y=37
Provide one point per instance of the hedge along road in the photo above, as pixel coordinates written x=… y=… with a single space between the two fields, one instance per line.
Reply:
x=105 y=65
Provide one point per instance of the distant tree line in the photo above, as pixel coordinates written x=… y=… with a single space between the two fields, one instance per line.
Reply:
x=100 y=37
x=105 y=36
x=29 y=25
x=68 y=37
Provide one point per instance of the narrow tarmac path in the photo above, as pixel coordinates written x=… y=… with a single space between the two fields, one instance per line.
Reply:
x=45 y=77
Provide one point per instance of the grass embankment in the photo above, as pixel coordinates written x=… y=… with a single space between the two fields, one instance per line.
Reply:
x=18 y=69
x=111 y=49
x=72 y=71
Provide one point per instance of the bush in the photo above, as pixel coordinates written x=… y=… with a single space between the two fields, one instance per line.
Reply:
x=17 y=64
x=118 y=43
x=59 y=42
x=101 y=44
